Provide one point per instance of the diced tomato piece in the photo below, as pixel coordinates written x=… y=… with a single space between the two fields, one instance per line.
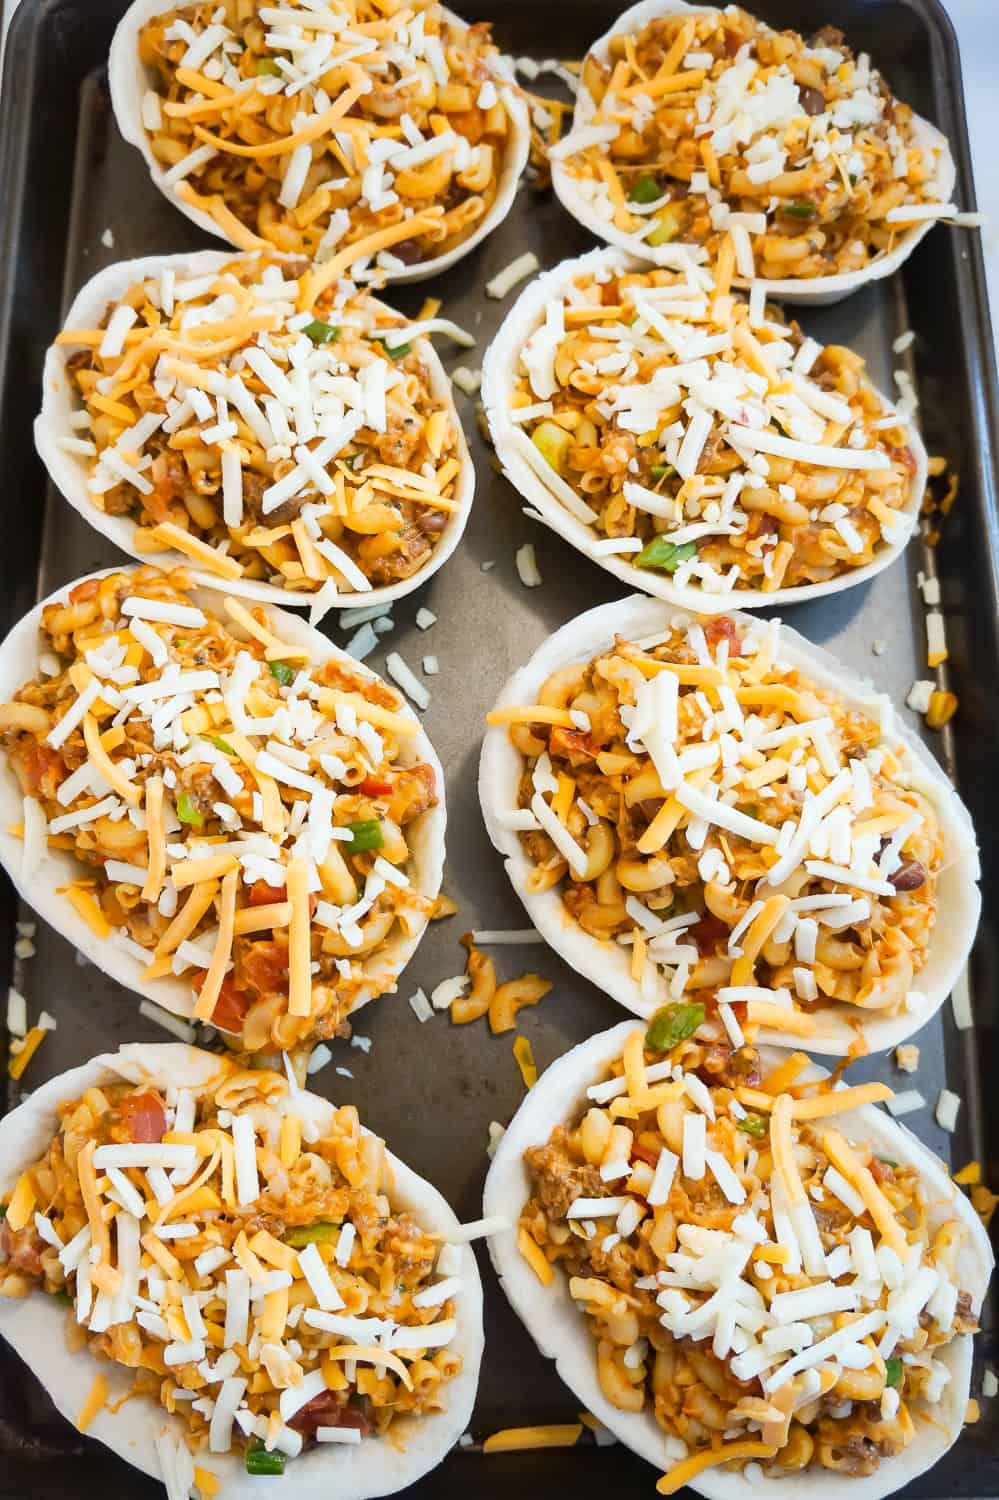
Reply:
x=645 y=1153
x=708 y=932
x=721 y=628
x=328 y=1409
x=262 y=894
x=570 y=743
x=231 y=1005
x=44 y=768
x=376 y=786
x=144 y=1117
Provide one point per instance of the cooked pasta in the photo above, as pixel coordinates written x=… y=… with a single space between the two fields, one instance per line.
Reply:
x=310 y=129
x=752 y=1272
x=710 y=122
x=701 y=439
x=278 y=1299
x=762 y=849
x=242 y=814
x=272 y=435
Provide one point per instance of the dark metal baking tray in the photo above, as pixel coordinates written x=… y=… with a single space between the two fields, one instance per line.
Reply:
x=66 y=178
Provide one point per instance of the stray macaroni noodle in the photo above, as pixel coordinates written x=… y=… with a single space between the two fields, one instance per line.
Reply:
x=770 y=1290
x=241 y=814
x=702 y=442
x=303 y=448
x=277 y=1300
x=312 y=129
x=761 y=849
x=709 y=123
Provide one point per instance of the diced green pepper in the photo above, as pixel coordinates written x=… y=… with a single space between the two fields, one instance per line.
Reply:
x=284 y=674
x=187 y=812
x=748 y=809
x=754 y=1125
x=669 y=222
x=395 y=351
x=887 y=1162
x=660 y=471
x=893 y=1372
x=646 y=190
x=672 y=1024
x=321 y=333
x=553 y=443
x=367 y=835
x=221 y=744
x=661 y=553
x=259 y=1461
x=64 y=1298
x=320 y=1233
x=799 y=208
x=3 y=1211
x=267 y=68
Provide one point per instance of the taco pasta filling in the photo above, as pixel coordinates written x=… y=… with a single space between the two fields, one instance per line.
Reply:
x=312 y=129
x=242 y=1255
x=765 y=1284
x=267 y=435
x=711 y=124
x=242 y=813
x=704 y=439
x=760 y=848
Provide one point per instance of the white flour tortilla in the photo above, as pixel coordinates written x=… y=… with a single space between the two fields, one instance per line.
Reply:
x=129 y=80
x=36 y=1325
x=816 y=291
x=19 y=663
x=607 y=963
x=500 y=373
x=561 y=1332
x=69 y=472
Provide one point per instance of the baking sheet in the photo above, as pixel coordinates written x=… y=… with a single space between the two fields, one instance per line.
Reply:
x=433 y=1089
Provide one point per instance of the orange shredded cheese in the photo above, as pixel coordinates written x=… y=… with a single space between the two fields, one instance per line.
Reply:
x=156 y=835
x=518 y=1439
x=99 y=1392
x=524 y=1054
x=212 y=986
x=32 y=1042
x=726 y=1453
x=299 y=945
x=844 y=1158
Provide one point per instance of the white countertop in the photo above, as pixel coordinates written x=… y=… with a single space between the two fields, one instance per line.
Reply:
x=977 y=25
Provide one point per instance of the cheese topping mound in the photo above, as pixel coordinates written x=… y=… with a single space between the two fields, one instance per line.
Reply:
x=699 y=126
x=757 y=847
x=267 y=427
x=310 y=128
x=241 y=813
x=701 y=438
x=747 y=1273
x=238 y=1248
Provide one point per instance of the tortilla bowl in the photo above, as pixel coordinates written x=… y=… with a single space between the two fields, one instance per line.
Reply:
x=560 y=1330
x=607 y=963
x=35 y=1326
x=41 y=889
x=69 y=472
x=128 y=80
x=499 y=378
x=818 y=291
